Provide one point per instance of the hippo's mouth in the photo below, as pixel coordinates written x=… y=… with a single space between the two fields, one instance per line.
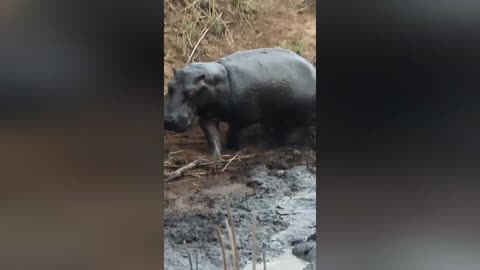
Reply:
x=176 y=128
x=179 y=126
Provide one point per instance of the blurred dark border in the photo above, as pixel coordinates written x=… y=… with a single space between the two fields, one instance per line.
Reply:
x=398 y=130
x=64 y=55
x=81 y=134
x=398 y=87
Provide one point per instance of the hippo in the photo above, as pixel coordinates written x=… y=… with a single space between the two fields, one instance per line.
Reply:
x=270 y=86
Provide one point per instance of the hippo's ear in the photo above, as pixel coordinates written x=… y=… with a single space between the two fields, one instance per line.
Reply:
x=174 y=71
x=202 y=78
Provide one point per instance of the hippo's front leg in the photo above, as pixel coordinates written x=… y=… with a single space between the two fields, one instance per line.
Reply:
x=210 y=128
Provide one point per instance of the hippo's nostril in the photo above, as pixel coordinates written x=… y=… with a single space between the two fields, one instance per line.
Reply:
x=170 y=122
x=168 y=118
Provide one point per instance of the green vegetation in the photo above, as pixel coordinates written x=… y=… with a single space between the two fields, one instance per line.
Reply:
x=297 y=48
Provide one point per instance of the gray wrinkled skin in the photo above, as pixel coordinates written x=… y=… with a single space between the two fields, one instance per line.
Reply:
x=274 y=86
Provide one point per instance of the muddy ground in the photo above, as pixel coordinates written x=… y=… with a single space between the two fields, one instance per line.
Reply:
x=276 y=183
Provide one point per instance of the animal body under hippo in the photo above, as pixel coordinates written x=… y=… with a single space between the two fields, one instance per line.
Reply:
x=274 y=87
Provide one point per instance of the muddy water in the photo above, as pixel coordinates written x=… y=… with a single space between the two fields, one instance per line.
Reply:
x=286 y=261
x=299 y=210
x=284 y=203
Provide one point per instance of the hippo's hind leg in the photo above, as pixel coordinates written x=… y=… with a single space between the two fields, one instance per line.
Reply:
x=233 y=137
x=210 y=128
x=277 y=133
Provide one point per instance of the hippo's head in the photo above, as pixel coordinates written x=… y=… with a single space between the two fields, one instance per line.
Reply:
x=188 y=91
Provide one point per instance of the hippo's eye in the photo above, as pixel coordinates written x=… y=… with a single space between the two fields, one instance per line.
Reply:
x=190 y=93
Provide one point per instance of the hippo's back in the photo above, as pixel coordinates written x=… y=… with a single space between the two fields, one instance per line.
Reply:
x=267 y=64
x=270 y=81
x=264 y=54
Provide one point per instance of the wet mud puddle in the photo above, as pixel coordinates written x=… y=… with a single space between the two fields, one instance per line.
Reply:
x=299 y=212
x=286 y=261
x=284 y=203
x=301 y=207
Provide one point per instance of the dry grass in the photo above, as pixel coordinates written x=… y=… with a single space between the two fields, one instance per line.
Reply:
x=297 y=47
x=193 y=21
x=196 y=16
x=244 y=6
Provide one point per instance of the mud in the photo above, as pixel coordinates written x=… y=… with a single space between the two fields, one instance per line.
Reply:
x=277 y=185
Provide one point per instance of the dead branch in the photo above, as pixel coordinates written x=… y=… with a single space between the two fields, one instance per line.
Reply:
x=202 y=166
x=254 y=244
x=246 y=157
x=228 y=163
x=176 y=152
x=263 y=259
x=171 y=165
x=222 y=245
x=231 y=237
x=234 y=240
x=228 y=32
x=188 y=255
x=179 y=172
x=202 y=36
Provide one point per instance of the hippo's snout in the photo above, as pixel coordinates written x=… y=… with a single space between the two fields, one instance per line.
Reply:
x=177 y=123
x=169 y=123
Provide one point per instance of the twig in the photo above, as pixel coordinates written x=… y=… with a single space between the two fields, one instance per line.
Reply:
x=196 y=261
x=246 y=156
x=186 y=169
x=201 y=37
x=170 y=6
x=176 y=152
x=247 y=22
x=188 y=255
x=234 y=241
x=254 y=244
x=228 y=163
x=179 y=172
x=231 y=237
x=222 y=245
x=212 y=162
x=263 y=259
x=198 y=42
x=221 y=161
x=171 y=165
x=228 y=32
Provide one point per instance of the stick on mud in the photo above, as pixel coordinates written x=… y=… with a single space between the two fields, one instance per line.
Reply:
x=196 y=261
x=230 y=236
x=222 y=245
x=189 y=256
x=263 y=259
x=234 y=240
x=178 y=173
x=254 y=244
x=228 y=163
